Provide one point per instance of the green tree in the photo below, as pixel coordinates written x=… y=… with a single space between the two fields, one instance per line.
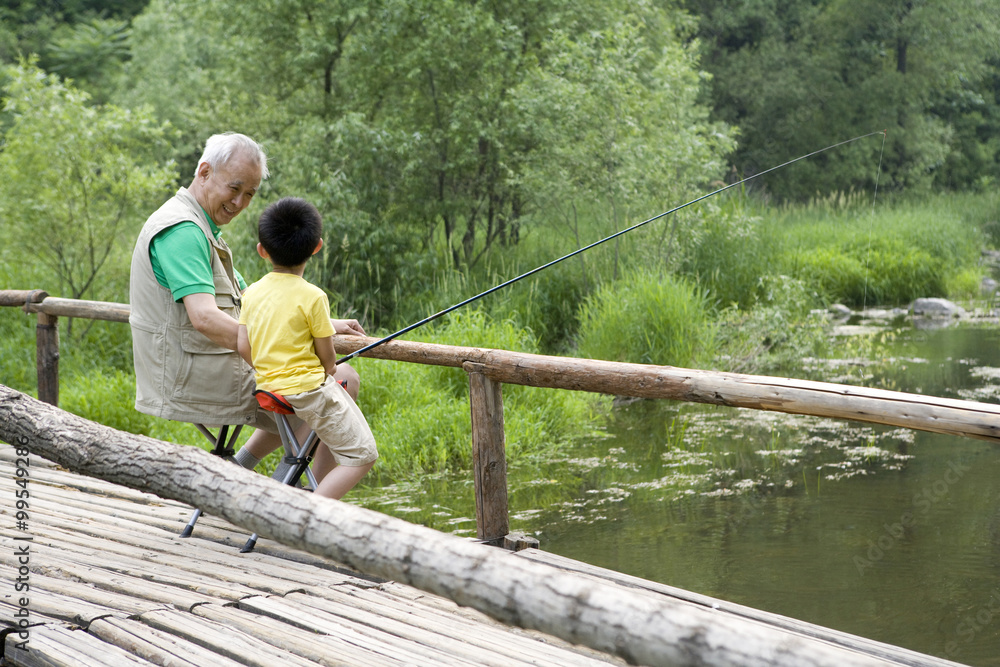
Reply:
x=797 y=75
x=92 y=55
x=422 y=128
x=620 y=129
x=78 y=182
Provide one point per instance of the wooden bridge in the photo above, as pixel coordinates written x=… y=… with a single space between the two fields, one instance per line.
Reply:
x=111 y=583
x=107 y=581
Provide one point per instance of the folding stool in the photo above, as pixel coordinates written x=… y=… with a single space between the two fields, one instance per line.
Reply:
x=296 y=461
x=297 y=457
x=223 y=447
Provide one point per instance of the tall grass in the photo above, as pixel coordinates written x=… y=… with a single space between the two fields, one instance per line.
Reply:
x=888 y=255
x=730 y=254
x=420 y=414
x=648 y=317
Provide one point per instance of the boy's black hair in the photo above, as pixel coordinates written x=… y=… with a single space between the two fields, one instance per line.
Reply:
x=290 y=229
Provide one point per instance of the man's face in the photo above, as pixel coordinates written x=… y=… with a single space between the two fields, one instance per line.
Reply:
x=226 y=190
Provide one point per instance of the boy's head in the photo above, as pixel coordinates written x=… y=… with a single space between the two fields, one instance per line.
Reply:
x=290 y=230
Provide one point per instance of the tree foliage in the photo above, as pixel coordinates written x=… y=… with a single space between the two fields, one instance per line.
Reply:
x=78 y=181
x=426 y=125
x=437 y=135
x=797 y=75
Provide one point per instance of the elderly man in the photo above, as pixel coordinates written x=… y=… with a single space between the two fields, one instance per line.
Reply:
x=185 y=297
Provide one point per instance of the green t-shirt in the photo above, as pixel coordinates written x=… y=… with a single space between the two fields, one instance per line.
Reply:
x=182 y=260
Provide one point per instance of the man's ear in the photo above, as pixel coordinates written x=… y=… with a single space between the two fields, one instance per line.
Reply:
x=262 y=252
x=204 y=170
x=318 y=246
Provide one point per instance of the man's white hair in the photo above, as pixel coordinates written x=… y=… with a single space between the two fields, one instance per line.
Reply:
x=220 y=148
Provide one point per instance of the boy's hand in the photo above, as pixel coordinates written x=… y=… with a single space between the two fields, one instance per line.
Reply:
x=348 y=327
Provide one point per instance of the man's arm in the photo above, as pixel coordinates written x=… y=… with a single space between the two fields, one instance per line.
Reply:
x=206 y=317
x=243 y=344
x=349 y=327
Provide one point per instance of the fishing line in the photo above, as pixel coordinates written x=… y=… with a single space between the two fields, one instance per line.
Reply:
x=871 y=223
x=433 y=317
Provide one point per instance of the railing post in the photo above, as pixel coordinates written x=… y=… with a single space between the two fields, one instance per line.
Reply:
x=489 y=460
x=46 y=351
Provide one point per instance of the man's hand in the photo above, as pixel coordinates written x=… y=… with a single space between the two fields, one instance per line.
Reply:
x=348 y=327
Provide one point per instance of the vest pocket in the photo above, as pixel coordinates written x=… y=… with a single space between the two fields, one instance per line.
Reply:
x=207 y=373
x=147 y=346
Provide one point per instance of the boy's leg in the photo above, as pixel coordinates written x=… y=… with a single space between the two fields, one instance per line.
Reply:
x=323 y=462
x=342 y=479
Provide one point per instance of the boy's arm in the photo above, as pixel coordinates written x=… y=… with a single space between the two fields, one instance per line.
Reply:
x=243 y=344
x=327 y=355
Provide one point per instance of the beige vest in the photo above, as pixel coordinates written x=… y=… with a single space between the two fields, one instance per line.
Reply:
x=179 y=373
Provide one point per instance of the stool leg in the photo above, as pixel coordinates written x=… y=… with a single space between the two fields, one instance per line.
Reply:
x=303 y=457
x=300 y=465
x=251 y=543
x=223 y=447
x=189 y=528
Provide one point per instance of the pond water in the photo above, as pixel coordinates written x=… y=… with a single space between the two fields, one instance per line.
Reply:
x=881 y=532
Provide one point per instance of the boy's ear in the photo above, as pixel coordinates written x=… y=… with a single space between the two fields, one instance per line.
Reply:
x=262 y=252
x=318 y=246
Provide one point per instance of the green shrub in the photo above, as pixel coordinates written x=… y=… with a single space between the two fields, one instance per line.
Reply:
x=17 y=350
x=547 y=307
x=730 y=255
x=780 y=330
x=965 y=284
x=885 y=255
x=839 y=277
x=647 y=317
x=885 y=271
x=108 y=397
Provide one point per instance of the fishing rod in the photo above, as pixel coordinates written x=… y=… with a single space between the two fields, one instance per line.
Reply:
x=433 y=317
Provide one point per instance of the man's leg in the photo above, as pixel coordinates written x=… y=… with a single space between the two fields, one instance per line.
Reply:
x=345 y=372
x=261 y=443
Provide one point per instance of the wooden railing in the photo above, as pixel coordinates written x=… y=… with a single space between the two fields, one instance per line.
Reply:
x=489 y=369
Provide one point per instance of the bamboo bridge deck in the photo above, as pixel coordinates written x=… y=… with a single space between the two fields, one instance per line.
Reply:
x=111 y=583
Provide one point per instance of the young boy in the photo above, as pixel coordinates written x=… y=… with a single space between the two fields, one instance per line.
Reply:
x=285 y=334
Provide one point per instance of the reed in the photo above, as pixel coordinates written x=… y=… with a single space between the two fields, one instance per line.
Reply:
x=647 y=317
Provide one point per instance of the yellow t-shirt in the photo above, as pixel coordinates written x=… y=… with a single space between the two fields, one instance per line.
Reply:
x=283 y=313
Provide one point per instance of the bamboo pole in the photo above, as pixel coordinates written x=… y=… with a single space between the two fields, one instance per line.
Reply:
x=822 y=399
x=637 y=626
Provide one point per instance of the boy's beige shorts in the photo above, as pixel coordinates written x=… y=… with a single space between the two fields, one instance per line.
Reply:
x=338 y=422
